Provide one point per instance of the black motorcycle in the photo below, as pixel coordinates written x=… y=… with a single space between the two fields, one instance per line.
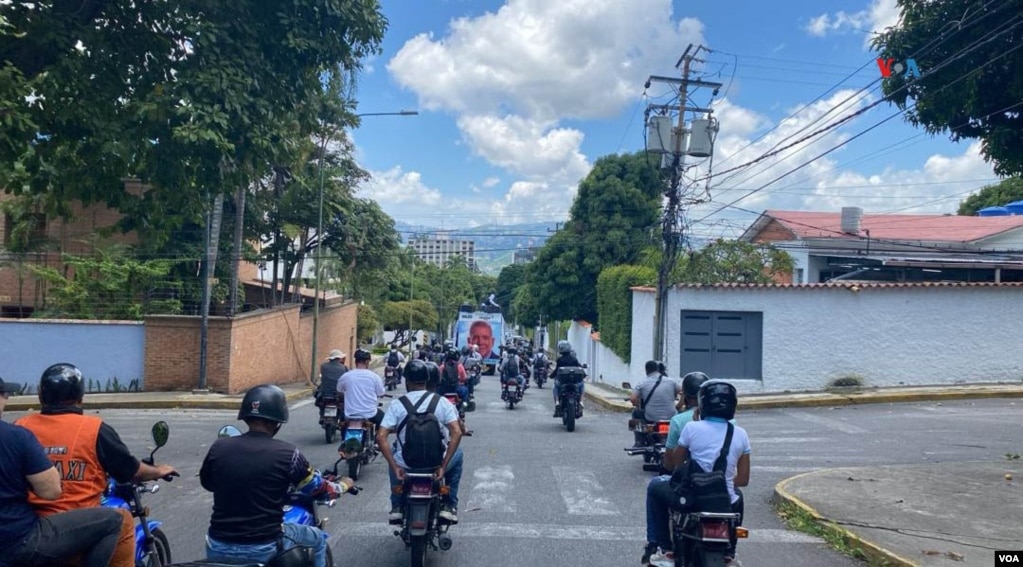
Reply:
x=330 y=421
x=540 y=375
x=570 y=379
x=422 y=528
x=511 y=391
x=392 y=377
x=702 y=539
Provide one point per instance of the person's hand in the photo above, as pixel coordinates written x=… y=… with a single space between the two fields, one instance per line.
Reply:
x=166 y=472
x=439 y=474
x=399 y=473
x=346 y=481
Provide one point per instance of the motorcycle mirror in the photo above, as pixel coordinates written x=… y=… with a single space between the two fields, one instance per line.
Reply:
x=626 y=386
x=161 y=432
x=229 y=431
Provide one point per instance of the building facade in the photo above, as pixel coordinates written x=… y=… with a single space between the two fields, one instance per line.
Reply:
x=439 y=249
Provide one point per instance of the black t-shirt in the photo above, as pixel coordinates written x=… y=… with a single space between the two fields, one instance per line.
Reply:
x=21 y=455
x=250 y=477
x=113 y=455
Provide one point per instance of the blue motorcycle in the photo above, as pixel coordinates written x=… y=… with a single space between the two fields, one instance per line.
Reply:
x=151 y=546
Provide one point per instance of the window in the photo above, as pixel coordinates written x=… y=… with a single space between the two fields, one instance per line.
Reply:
x=797 y=275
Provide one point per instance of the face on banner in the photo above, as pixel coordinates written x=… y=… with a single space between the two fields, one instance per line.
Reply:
x=481 y=333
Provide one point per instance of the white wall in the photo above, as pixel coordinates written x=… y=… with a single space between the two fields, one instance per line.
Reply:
x=643 y=307
x=889 y=336
x=604 y=365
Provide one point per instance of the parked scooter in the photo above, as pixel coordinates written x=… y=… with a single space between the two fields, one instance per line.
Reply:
x=570 y=379
x=151 y=546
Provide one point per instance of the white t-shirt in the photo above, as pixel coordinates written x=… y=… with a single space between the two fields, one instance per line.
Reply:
x=362 y=388
x=445 y=412
x=704 y=439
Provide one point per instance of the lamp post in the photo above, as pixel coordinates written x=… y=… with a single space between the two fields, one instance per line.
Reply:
x=319 y=242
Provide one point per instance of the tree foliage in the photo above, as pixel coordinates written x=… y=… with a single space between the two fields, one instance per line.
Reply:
x=614 y=303
x=613 y=217
x=733 y=261
x=397 y=316
x=109 y=285
x=368 y=324
x=996 y=195
x=972 y=73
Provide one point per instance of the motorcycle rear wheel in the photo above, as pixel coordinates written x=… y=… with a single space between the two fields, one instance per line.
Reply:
x=161 y=548
x=568 y=414
x=419 y=546
x=329 y=432
x=330 y=557
x=355 y=467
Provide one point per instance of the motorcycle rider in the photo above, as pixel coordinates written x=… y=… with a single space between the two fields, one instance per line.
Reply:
x=509 y=367
x=330 y=372
x=27 y=539
x=702 y=440
x=453 y=377
x=432 y=384
x=250 y=477
x=654 y=398
x=566 y=358
x=361 y=388
x=473 y=364
x=540 y=360
x=85 y=450
x=395 y=359
x=416 y=377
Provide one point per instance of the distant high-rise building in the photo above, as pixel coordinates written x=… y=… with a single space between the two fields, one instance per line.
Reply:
x=439 y=249
x=524 y=255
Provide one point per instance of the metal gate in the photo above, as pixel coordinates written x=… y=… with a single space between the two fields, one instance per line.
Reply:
x=723 y=344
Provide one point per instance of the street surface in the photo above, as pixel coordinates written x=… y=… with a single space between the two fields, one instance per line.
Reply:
x=532 y=493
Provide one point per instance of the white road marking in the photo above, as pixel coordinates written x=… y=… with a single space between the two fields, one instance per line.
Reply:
x=793 y=470
x=301 y=404
x=491 y=490
x=583 y=495
x=767 y=440
x=828 y=422
x=467 y=529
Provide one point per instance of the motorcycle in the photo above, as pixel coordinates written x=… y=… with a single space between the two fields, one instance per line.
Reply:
x=151 y=546
x=333 y=410
x=300 y=509
x=462 y=407
x=391 y=378
x=422 y=528
x=654 y=436
x=540 y=375
x=359 y=445
x=511 y=392
x=570 y=378
x=701 y=539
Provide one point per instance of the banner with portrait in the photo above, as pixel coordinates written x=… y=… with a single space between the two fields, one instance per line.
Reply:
x=485 y=330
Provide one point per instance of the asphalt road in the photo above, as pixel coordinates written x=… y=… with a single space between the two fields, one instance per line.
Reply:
x=533 y=493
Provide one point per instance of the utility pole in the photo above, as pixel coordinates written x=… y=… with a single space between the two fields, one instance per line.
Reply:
x=671 y=223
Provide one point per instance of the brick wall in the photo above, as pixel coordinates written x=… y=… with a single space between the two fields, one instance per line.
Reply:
x=774 y=232
x=259 y=347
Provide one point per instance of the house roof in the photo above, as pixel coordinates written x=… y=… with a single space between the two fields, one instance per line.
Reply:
x=834 y=284
x=940 y=228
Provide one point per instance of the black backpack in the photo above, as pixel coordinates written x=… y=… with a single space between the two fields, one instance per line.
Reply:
x=449 y=377
x=704 y=491
x=512 y=368
x=393 y=359
x=424 y=441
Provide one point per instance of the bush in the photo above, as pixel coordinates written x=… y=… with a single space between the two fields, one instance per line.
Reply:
x=614 y=305
x=847 y=381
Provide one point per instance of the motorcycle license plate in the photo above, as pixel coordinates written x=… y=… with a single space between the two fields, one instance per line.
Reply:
x=714 y=530
x=421 y=488
x=329 y=407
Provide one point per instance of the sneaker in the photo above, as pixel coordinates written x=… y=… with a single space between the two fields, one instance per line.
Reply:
x=732 y=562
x=650 y=549
x=396 y=516
x=557 y=411
x=449 y=513
x=662 y=559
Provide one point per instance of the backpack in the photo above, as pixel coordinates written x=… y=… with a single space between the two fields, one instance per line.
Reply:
x=393 y=359
x=449 y=377
x=704 y=491
x=424 y=441
x=512 y=368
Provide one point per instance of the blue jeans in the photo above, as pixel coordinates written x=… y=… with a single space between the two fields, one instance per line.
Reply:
x=462 y=391
x=295 y=535
x=660 y=498
x=557 y=391
x=452 y=476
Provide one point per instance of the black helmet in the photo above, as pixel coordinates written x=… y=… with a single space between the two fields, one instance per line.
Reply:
x=433 y=375
x=61 y=383
x=691 y=384
x=564 y=347
x=363 y=355
x=513 y=350
x=416 y=372
x=265 y=401
x=718 y=399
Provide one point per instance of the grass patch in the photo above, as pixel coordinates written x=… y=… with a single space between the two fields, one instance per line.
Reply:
x=800 y=520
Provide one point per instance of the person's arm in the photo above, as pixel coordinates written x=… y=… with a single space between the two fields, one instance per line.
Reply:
x=634 y=397
x=462 y=376
x=311 y=483
x=37 y=467
x=742 y=471
x=456 y=437
x=118 y=462
x=675 y=457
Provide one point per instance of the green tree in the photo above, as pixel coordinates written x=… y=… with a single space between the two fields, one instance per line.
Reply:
x=733 y=261
x=614 y=302
x=398 y=315
x=972 y=73
x=368 y=323
x=613 y=217
x=1002 y=193
x=509 y=280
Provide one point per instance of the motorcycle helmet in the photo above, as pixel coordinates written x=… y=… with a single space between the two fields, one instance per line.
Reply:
x=717 y=399
x=433 y=375
x=265 y=401
x=452 y=354
x=691 y=384
x=61 y=384
x=362 y=355
x=416 y=372
x=564 y=347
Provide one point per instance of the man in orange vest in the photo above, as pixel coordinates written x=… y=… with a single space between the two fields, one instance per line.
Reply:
x=84 y=451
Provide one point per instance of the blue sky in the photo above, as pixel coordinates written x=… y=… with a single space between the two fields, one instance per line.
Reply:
x=518 y=98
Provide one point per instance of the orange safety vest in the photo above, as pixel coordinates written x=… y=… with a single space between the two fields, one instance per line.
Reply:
x=69 y=439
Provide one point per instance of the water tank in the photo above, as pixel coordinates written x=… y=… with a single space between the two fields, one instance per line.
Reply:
x=701 y=137
x=659 y=134
x=993 y=212
x=1015 y=208
x=851 y=219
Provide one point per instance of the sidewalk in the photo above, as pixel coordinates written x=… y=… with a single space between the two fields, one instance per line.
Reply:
x=615 y=399
x=159 y=400
x=939 y=515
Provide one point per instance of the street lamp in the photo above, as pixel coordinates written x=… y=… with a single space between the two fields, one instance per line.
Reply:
x=319 y=237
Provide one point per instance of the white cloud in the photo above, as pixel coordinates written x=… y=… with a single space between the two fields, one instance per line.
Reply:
x=873 y=19
x=400 y=193
x=491 y=181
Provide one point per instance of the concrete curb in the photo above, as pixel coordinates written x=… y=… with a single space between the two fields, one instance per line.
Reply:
x=607 y=404
x=875 y=553
x=181 y=401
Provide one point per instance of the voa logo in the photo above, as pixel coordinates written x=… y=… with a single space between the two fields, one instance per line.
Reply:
x=888 y=66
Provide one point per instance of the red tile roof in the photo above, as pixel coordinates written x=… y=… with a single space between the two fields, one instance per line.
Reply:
x=806 y=224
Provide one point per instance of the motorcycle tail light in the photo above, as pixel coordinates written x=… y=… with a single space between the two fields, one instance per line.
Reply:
x=663 y=427
x=444 y=490
x=420 y=488
x=741 y=533
x=453 y=398
x=714 y=530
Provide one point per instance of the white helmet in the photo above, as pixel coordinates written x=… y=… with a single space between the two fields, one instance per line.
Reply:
x=564 y=347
